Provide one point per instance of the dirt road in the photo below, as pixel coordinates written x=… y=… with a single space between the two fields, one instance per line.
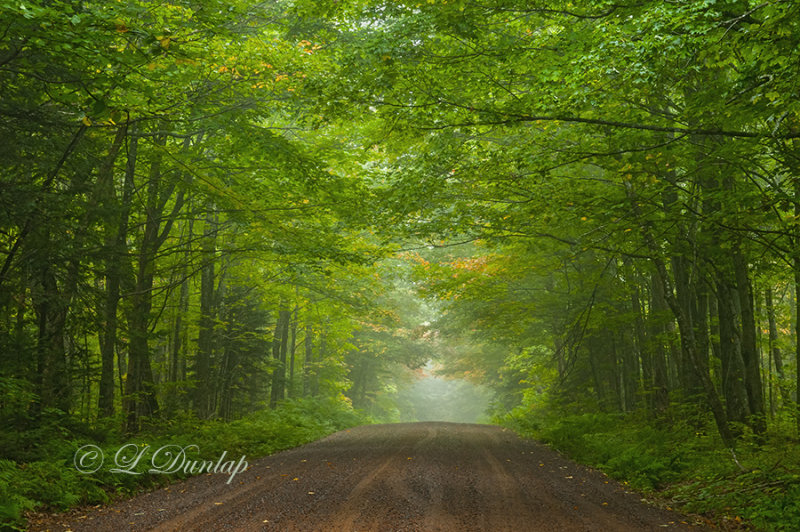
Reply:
x=416 y=476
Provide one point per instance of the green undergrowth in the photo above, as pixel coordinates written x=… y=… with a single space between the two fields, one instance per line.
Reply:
x=680 y=459
x=38 y=471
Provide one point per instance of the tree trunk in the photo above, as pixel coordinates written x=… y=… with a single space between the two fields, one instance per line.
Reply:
x=689 y=298
x=688 y=341
x=642 y=346
x=308 y=360
x=116 y=245
x=279 y=344
x=775 y=352
x=230 y=359
x=203 y=399
x=178 y=332
x=797 y=310
x=658 y=331
x=321 y=354
x=284 y=351
x=750 y=354
x=733 y=370
x=140 y=400
x=796 y=265
x=597 y=379
x=292 y=350
x=52 y=384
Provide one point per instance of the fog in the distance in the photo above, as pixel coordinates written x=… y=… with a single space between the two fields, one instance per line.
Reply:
x=432 y=398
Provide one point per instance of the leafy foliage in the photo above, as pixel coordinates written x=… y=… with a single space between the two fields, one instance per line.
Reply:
x=210 y=208
x=49 y=480
x=679 y=461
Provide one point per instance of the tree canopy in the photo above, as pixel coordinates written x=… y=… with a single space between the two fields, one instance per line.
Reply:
x=211 y=207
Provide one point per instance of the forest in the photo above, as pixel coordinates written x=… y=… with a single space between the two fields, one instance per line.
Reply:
x=247 y=224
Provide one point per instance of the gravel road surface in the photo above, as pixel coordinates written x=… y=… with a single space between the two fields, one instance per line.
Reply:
x=413 y=476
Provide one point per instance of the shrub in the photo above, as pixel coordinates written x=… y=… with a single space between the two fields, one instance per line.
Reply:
x=42 y=474
x=682 y=458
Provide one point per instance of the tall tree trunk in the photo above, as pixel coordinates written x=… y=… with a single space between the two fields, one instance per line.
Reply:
x=292 y=350
x=775 y=351
x=52 y=384
x=203 y=399
x=617 y=371
x=797 y=308
x=279 y=343
x=228 y=364
x=700 y=312
x=284 y=351
x=713 y=311
x=308 y=360
x=685 y=325
x=796 y=267
x=628 y=371
x=322 y=352
x=116 y=245
x=177 y=343
x=597 y=379
x=140 y=396
x=276 y=356
x=750 y=354
x=658 y=330
x=51 y=302
x=140 y=400
x=689 y=296
x=733 y=369
x=642 y=346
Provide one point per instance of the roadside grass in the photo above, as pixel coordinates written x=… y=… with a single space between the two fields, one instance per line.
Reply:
x=679 y=459
x=38 y=473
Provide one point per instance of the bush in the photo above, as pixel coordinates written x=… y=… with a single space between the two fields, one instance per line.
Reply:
x=48 y=479
x=680 y=458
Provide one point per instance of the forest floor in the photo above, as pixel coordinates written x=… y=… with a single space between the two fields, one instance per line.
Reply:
x=414 y=476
